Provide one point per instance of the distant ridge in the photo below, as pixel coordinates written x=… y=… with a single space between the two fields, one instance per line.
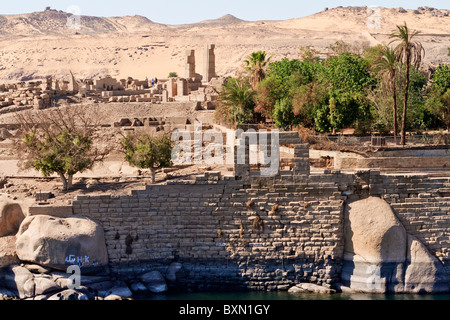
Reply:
x=225 y=20
x=54 y=22
x=40 y=44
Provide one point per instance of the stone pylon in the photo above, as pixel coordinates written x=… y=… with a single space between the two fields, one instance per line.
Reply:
x=73 y=84
x=190 y=64
x=209 y=63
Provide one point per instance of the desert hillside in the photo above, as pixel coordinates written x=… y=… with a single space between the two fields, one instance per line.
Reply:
x=37 y=45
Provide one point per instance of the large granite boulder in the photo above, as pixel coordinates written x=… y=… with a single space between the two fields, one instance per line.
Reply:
x=11 y=216
x=374 y=232
x=62 y=242
x=120 y=289
x=8 y=255
x=381 y=257
x=69 y=295
x=424 y=272
x=19 y=280
x=375 y=245
x=154 y=281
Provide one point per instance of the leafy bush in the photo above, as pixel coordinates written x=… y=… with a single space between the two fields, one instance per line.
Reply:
x=59 y=141
x=148 y=152
x=237 y=102
x=282 y=114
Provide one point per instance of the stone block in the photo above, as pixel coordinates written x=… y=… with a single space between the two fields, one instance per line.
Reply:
x=55 y=211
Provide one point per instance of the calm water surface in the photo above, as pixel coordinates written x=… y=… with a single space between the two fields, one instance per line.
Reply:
x=287 y=296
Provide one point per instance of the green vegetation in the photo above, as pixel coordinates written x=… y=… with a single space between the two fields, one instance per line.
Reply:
x=148 y=152
x=59 y=141
x=410 y=53
x=237 y=103
x=438 y=102
x=173 y=75
x=386 y=68
x=256 y=63
x=359 y=88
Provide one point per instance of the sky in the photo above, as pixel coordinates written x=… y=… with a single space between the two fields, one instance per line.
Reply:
x=191 y=11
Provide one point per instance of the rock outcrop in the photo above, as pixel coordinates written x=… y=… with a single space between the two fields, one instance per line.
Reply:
x=47 y=245
x=33 y=282
x=154 y=281
x=19 y=280
x=61 y=242
x=424 y=272
x=8 y=251
x=380 y=256
x=11 y=216
x=311 y=287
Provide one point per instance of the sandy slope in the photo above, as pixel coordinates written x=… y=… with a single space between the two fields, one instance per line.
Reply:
x=39 y=45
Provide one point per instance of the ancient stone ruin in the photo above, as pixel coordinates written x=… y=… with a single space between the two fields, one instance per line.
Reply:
x=290 y=229
x=192 y=88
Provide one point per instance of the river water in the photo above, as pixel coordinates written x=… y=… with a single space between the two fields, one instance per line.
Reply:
x=251 y=305
x=284 y=296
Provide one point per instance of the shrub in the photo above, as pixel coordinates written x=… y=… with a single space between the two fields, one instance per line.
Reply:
x=60 y=141
x=148 y=152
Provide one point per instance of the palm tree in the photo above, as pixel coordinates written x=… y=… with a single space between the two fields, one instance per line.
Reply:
x=257 y=63
x=410 y=53
x=239 y=98
x=386 y=67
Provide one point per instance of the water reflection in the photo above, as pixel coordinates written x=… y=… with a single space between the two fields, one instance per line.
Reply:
x=248 y=296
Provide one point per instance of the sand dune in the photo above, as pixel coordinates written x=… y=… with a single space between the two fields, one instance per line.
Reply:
x=37 y=45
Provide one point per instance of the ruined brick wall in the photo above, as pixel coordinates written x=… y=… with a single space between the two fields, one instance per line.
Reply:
x=259 y=233
x=212 y=228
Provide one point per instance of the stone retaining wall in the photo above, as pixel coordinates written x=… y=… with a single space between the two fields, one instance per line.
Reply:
x=433 y=157
x=212 y=226
x=260 y=233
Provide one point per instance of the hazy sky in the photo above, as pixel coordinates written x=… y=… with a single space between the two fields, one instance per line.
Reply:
x=190 y=11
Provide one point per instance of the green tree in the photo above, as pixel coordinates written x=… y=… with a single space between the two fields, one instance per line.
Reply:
x=308 y=54
x=60 y=141
x=306 y=100
x=145 y=151
x=445 y=109
x=237 y=102
x=256 y=63
x=409 y=52
x=372 y=54
x=283 y=79
x=438 y=102
x=346 y=79
x=441 y=78
x=283 y=115
x=386 y=67
x=346 y=72
x=266 y=97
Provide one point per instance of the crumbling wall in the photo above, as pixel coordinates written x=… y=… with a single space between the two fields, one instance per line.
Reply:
x=260 y=232
x=225 y=232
